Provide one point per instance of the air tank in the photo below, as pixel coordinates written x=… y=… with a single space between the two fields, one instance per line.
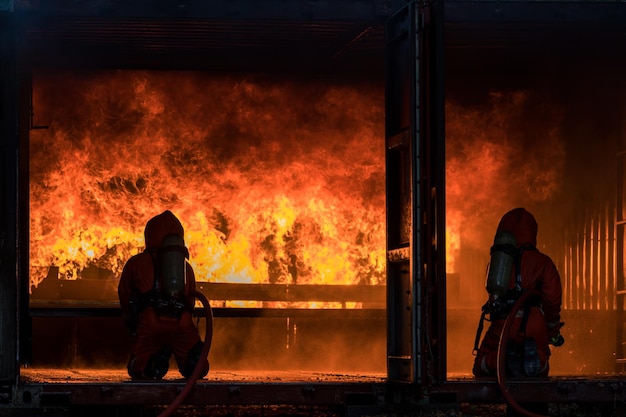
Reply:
x=173 y=266
x=501 y=265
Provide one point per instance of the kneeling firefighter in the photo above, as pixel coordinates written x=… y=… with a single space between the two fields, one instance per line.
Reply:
x=517 y=266
x=154 y=292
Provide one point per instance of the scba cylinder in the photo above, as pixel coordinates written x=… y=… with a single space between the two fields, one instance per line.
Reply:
x=501 y=265
x=173 y=268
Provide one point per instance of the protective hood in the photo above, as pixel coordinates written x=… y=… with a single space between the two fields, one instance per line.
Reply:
x=522 y=224
x=160 y=226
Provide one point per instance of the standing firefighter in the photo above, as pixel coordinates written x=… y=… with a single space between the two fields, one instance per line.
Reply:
x=154 y=292
x=517 y=266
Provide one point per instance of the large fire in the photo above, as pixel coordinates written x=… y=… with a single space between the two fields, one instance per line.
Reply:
x=496 y=160
x=275 y=182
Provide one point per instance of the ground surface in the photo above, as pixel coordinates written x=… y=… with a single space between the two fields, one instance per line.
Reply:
x=462 y=410
x=91 y=376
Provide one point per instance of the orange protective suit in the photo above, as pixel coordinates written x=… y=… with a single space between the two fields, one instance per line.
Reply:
x=543 y=317
x=156 y=337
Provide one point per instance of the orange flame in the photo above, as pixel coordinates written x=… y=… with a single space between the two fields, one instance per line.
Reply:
x=274 y=181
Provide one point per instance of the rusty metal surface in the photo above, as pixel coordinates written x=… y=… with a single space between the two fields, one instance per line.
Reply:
x=48 y=387
x=607 y=389
x=90 y=375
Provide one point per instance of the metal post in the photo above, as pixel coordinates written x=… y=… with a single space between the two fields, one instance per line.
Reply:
x=9 y=144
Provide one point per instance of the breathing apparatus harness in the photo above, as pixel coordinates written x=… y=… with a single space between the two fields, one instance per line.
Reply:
x=504 y=256
x=167 y=295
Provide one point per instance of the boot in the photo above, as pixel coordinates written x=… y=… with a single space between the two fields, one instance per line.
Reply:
x=193 y=357
x=514 y=360
x=159 y=363
x=532 y=363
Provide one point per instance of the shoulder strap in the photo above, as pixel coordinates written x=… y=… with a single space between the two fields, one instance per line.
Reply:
x=518 y=264
x=153 y=255
x=479 y=330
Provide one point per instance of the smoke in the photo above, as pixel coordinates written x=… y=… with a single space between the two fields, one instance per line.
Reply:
x=502 y=152
x=507 y=152
x=299 y=344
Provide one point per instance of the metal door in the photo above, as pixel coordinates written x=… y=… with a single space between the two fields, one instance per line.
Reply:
x=9 y=150
x=415 y=168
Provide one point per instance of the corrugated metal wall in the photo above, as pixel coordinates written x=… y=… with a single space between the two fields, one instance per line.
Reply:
x=588 y=270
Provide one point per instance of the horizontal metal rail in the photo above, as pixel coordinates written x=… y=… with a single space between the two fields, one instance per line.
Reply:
x=42 y=310
x=98 y=298
x=94 y=290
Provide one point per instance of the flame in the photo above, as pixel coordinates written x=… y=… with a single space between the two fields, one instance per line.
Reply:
x=453 y=239
x=274 y=182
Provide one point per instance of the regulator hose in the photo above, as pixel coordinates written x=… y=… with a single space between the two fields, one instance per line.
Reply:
x=191 y=382
x=501 y=364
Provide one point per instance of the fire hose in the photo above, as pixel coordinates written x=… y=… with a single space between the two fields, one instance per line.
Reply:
x=191 y=382
x=501 y=364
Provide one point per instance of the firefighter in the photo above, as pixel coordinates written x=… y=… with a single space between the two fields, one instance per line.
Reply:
x=154 y=293
x=516 y=266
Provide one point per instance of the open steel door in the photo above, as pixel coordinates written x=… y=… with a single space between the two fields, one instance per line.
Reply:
x=415 y=164
x=9 y=368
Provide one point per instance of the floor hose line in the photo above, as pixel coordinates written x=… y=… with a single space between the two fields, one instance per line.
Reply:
x=208 y=337
x=501 y=364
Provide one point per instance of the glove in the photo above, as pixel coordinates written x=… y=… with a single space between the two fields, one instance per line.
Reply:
x=557 y=340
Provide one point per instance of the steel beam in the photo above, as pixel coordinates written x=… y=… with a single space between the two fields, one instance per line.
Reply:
x=317 y=313
x=313 y=392
x=233 y=9
x=552 y=390
x=204 y=393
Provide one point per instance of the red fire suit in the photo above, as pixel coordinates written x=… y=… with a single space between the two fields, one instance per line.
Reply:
x=537 y=272
x=154 y=335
